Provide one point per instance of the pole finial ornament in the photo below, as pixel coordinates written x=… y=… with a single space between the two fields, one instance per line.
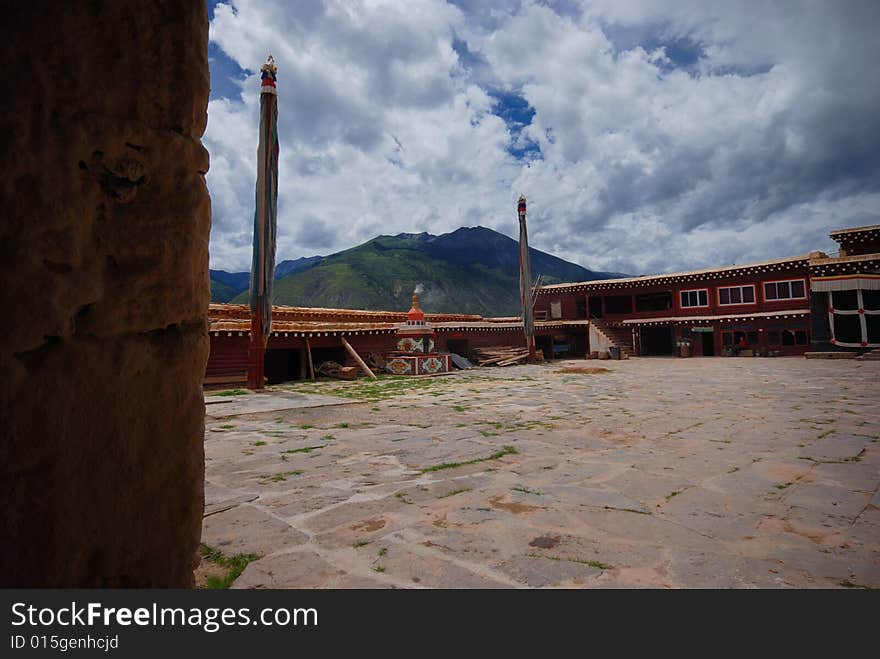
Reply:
x=268 y=76
x=522 y=204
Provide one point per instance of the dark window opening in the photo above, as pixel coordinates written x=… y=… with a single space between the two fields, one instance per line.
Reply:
x=581 y=308
x=784 y=290
x=618 y=304
x=654 y=301
x=872 y=324
x=695 y=298
x=848 y=327
x=773 y=338
x=736 y=295
x=845 y=300
x=595 y=305
x=871 y=300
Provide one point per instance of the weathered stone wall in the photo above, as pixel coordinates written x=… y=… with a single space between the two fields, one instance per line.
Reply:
x=104 y=268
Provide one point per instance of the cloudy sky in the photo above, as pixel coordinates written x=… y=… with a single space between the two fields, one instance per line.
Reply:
x=648 y=135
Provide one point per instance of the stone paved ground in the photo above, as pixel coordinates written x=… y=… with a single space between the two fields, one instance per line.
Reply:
x=658 y=473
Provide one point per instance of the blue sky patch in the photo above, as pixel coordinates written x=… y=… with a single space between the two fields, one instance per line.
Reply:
x=517 y=114
x=224 y=70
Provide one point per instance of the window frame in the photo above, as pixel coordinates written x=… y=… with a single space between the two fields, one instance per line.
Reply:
x=736 y=304
x=693 y=306
x=784 y=281
x=861 y=312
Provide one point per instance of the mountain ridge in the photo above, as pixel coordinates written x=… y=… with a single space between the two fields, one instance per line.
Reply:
x=469 y=270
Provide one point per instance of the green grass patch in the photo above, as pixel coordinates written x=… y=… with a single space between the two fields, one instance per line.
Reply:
x=452 y=493
x=234 y=565
x=525 y=490
x=506 y=450
x=846 y=583
x=342 y=425
x=232 y=392
x=361 y=543
x=277 y=478
x=260 y=443
x=304 y=449
x=592 y=563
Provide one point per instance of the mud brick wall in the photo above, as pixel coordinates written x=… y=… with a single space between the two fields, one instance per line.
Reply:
x=104 y=263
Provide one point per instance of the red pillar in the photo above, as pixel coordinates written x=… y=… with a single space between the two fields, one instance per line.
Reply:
x=256 y=354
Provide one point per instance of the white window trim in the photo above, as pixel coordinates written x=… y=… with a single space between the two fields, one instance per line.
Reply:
x=784 y=281
x=736 y=304
x=861 y=312
x=694 y=306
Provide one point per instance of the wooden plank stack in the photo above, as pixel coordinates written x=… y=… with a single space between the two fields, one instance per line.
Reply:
x=502 y=356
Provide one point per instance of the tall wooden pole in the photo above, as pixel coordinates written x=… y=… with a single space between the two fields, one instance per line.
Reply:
x=525 y=282
x=263 y=265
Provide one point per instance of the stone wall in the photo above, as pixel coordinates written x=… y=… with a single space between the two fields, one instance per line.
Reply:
x=104 y=264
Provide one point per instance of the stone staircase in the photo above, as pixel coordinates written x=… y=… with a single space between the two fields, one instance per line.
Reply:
x=619 y=335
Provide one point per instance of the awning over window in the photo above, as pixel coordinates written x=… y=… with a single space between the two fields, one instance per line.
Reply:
x=865 y=282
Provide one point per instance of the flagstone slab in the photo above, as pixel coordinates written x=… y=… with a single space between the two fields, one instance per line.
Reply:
x=221 y=407
x=248 y=530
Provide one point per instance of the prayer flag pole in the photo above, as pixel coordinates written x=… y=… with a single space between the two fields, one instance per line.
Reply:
x=263 y=266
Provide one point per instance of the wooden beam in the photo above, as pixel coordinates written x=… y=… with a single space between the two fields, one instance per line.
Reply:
x=358 y=359
x=311 y=363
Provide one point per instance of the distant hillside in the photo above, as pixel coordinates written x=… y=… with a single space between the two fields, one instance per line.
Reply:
x=226 y=285
x=471 y=270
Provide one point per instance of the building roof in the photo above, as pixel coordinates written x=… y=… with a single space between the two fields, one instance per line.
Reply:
x=855 y=233
x=281 y=313
x=692 y=275
x=234 y=319
x=739 y=316
x=335 y=328
x=844 y=264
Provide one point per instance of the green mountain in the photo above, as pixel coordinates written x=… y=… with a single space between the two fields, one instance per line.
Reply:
x=471 y=270
x=226 y=285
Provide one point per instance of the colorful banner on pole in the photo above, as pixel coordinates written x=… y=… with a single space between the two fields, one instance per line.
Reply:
x=265 y=215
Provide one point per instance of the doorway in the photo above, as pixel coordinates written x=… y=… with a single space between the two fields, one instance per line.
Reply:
x=595 y=305
x=707 y=340
x=545 y=345
x=656 y=341
x=282 y=365
x=459 y=347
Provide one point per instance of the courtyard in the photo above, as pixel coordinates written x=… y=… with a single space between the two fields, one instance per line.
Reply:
x=645 y=473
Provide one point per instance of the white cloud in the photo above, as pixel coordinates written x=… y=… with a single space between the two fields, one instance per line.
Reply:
x=756 y=150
